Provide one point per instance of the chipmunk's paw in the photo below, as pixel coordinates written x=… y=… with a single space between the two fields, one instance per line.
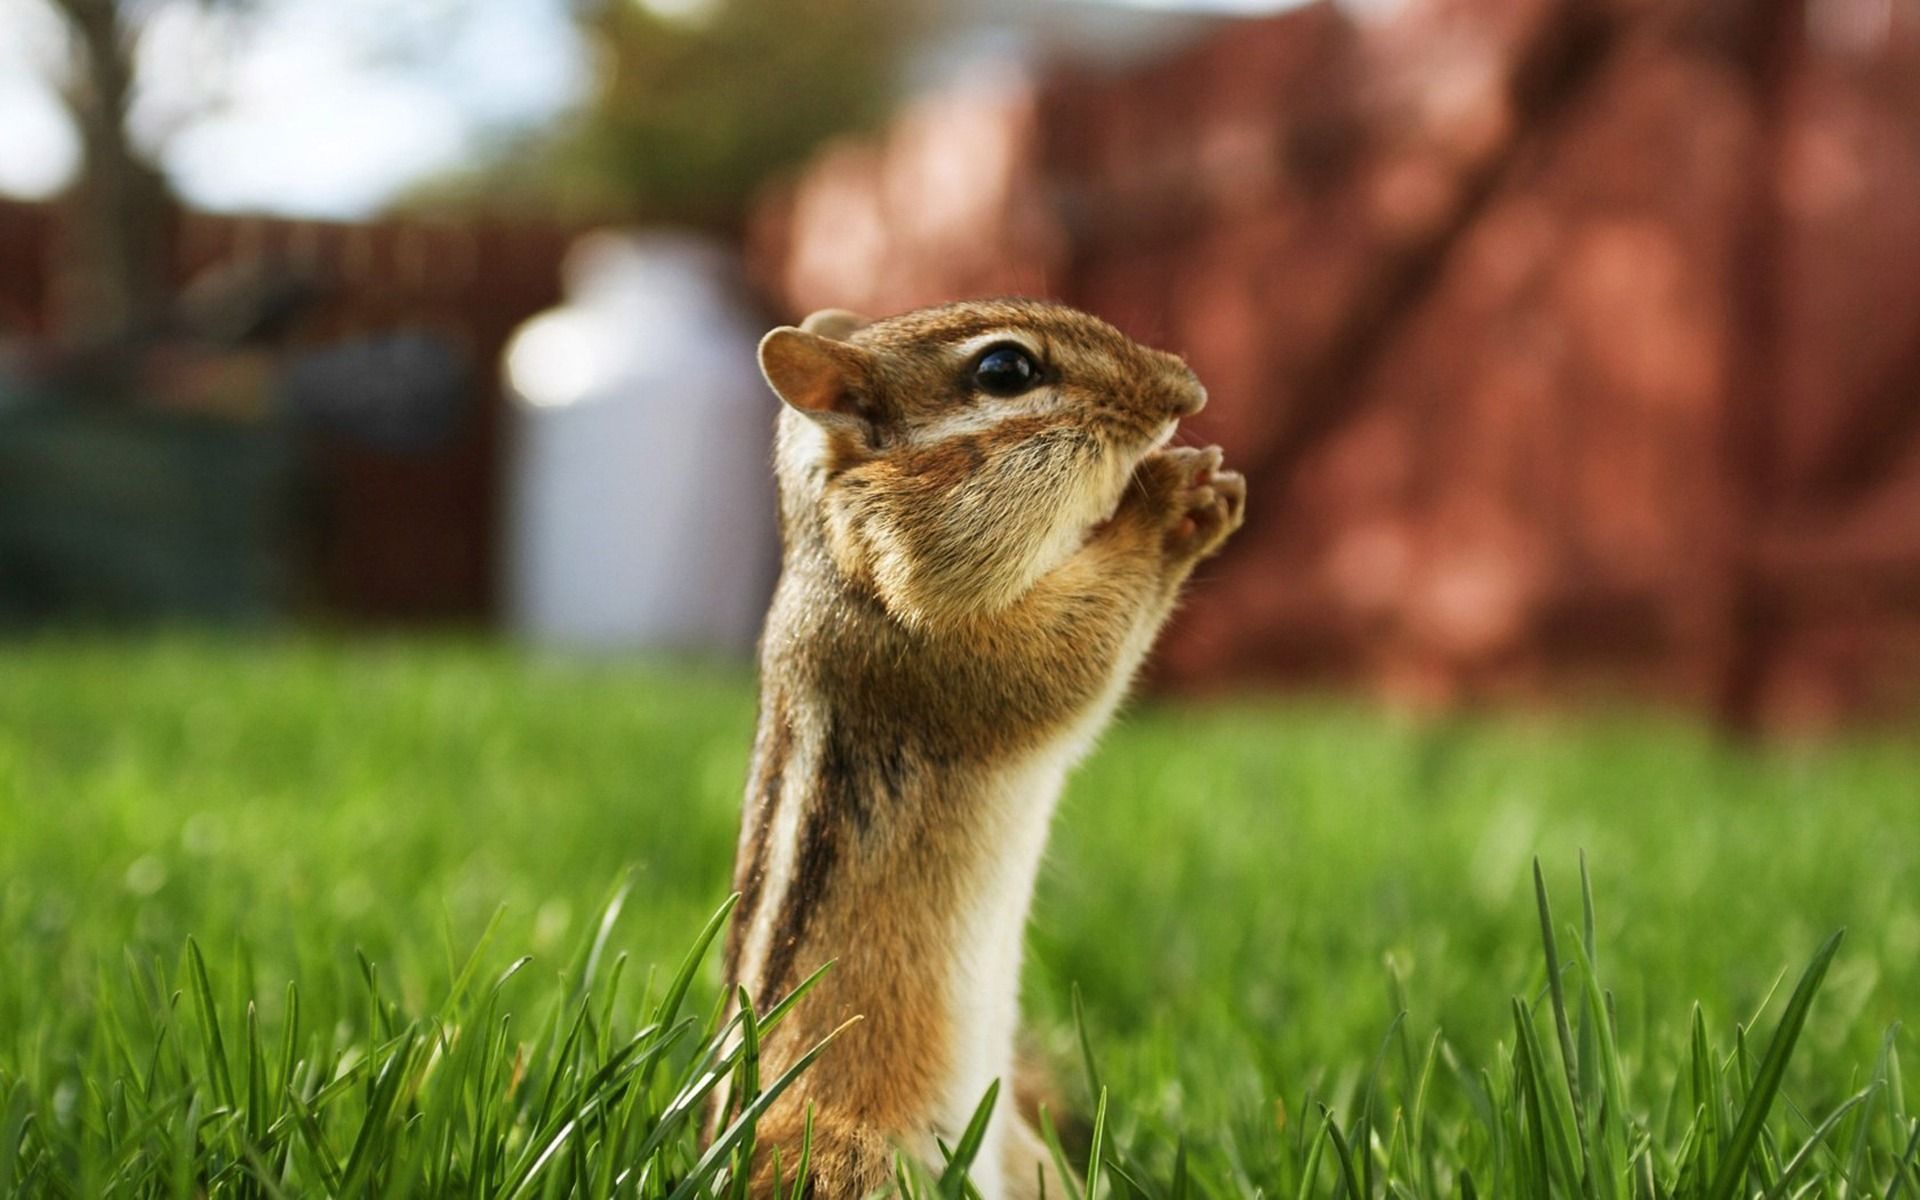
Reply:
x=1198 y=504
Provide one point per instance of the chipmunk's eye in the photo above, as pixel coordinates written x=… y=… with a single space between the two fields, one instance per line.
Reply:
x=1005 y=371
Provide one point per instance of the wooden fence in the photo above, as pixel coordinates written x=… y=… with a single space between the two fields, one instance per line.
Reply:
x=397 y=536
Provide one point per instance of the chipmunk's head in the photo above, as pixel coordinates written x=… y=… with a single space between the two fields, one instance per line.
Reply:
x=953 y=455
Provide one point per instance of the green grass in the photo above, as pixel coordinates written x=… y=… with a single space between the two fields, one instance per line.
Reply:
x=1307 y=939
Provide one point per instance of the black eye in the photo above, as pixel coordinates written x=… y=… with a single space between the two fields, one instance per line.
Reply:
x=1006 y=371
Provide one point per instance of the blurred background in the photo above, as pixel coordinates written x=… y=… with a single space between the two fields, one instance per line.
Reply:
x=1572 y=347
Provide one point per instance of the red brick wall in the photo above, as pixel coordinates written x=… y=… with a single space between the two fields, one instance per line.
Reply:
x=1569 y=346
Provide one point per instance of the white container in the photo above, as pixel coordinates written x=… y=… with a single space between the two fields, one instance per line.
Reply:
x=640 y=504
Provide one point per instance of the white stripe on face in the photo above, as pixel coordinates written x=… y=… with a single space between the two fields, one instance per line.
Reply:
x=984 y=414
x=987 y=412
x=1019 y=337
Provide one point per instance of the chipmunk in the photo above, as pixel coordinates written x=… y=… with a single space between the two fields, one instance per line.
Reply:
x=984 y=530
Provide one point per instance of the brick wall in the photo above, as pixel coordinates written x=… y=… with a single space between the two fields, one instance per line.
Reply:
x=1569 y=346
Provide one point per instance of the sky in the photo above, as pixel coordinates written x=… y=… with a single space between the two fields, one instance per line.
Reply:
x=328 y=108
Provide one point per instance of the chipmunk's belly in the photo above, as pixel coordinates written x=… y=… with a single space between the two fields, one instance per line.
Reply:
x=990 y=928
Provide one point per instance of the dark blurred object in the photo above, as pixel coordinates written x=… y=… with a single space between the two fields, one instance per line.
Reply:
x=246 y=302
x=1569 y=344
x=371 y=333
x=108 y=514
x=397 y=391
x=405 y=391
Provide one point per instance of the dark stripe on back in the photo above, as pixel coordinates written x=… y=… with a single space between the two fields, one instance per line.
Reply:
x=890 y=769
x=812 y=868
x=846 y=785
x=839 y=782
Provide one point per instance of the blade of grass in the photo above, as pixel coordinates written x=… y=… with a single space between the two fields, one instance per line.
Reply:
x=212 y=1045
x=1906 y=1165
x=1051 y=1137
x=676 y=992
x=953 y=1179
x=1094 y=1085
x=1343 y=1154
x=1773 y=1067
x=1819 y=1135
x=1569 y=1061
x=802 y=1184
x=1310 y=1173
x=723 y=1145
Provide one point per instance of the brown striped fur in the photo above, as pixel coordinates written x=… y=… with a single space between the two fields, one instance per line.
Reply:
x=969 y=584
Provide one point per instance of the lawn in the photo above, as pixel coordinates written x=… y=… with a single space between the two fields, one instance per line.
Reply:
x=1305 y=937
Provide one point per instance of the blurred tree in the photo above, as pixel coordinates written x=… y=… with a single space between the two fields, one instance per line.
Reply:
x=693 y=105
x=120 y=202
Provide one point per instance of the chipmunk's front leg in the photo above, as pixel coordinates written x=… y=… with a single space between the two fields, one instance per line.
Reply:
x=1179 y=509
x=1096 y=615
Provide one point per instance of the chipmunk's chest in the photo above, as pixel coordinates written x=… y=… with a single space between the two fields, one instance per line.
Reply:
x=987 y=932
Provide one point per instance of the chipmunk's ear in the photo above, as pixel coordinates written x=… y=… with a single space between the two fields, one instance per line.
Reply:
x=835 y=323
x=820 y=376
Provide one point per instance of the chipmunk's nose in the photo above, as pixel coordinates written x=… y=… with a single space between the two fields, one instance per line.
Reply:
x=1186 y=393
